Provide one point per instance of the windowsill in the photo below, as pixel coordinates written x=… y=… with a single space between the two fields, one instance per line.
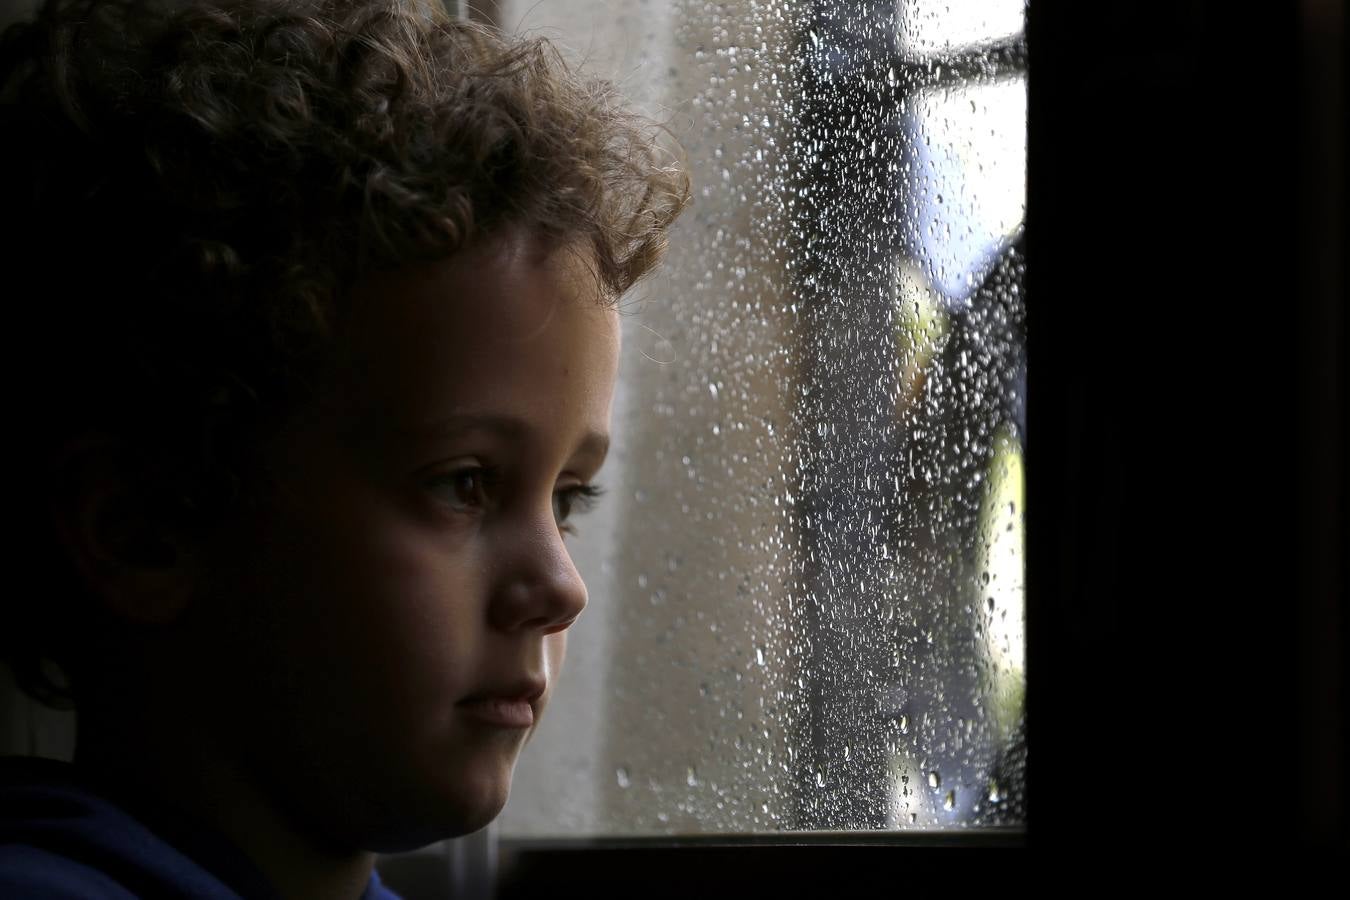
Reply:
x=951 y=837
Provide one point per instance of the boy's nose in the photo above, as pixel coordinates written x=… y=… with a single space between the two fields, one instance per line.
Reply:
x=538 y=587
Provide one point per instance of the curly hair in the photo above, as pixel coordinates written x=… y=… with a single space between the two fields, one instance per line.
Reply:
x=191 y=188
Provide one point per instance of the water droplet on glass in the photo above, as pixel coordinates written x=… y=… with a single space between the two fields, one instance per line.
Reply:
x=822 y=434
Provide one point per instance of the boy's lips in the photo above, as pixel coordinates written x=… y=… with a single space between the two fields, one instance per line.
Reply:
x=507 y=706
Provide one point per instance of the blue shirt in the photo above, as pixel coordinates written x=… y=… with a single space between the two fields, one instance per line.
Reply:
x=61 y=836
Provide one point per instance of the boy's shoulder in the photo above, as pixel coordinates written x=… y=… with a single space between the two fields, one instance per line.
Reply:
x=64 y=834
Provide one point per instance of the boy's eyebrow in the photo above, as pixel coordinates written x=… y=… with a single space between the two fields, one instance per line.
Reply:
x=594 y=445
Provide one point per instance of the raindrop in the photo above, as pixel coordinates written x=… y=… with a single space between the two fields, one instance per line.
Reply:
x=934 y=779
x=950 y=802
x=621 y=776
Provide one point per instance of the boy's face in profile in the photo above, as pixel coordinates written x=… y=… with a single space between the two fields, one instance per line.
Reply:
x=381 y=634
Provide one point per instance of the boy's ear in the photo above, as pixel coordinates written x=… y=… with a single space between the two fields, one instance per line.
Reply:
x=123 y=547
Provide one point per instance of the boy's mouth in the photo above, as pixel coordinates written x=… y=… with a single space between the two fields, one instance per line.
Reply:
x=507 y=706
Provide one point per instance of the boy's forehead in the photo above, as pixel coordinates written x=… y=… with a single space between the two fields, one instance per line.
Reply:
x=511 y=283
x=498 y=325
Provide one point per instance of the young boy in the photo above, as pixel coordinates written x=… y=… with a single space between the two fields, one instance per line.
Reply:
x=313 y=307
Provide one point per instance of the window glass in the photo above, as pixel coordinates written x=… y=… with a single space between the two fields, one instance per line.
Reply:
x=928 y=29
x=806 y=593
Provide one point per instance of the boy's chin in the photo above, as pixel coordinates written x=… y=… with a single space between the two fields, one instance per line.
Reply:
x=473 y=803
x=479 y=809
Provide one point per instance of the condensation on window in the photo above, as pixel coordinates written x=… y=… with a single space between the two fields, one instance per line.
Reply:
x=806 y=579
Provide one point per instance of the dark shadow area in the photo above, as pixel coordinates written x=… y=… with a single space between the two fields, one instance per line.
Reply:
x=1185 y=600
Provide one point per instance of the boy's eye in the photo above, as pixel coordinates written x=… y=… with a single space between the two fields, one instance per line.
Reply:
x=576 y=499
x=463 y=490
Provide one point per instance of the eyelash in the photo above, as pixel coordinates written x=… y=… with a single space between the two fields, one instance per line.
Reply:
x=581 y=499
x=567 y=502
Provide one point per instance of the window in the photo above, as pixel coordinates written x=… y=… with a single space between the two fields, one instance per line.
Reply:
x=806 y=579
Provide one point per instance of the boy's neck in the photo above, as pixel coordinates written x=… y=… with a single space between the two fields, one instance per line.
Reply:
x=193 y=777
